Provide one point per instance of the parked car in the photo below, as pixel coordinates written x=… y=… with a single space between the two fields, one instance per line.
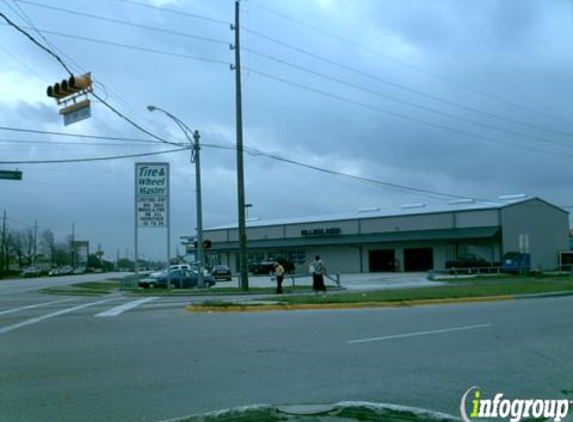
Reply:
x=221 y=272
x=31 y=272
x=55 y=272
x=264 y=267
x=66 y=270
x=468 y=262
x=181 y=279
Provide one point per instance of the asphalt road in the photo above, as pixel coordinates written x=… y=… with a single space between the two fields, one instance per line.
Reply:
x=122 y=359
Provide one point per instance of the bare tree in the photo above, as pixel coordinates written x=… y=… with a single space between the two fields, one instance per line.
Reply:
x=48 y=246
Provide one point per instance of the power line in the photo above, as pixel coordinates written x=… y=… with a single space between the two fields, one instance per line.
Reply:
x=401 y=86
x=255 y=152
x=126 y=23
x=408 y=65
x=130 y=47
x=405 y=102
x=83 y=160
x=403 y=116
x=36 y=142
x=176 y=12
x=79 y=135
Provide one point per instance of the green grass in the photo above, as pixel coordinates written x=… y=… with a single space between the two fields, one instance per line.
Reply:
x=89 y=288
x=462 y=278
x=439 y=292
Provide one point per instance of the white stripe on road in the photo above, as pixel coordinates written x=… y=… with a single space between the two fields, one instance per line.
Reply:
x=53 y=314
x=421 y=333
x=11 y=311
x=125 y=307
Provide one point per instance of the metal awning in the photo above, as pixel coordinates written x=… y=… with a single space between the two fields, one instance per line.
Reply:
x=477 y=233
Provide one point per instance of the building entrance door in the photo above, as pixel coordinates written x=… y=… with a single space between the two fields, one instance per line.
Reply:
x=382 y=260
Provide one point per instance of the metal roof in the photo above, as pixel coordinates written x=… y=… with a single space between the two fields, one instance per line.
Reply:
x=367 y=213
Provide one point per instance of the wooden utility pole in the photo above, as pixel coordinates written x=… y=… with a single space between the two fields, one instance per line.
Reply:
x=243 y=267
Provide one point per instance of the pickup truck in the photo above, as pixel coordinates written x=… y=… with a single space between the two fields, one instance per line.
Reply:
x=470 y=262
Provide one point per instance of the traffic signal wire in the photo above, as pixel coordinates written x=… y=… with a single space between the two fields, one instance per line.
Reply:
x=103 y=101
x=410 y=66
x=404 y=116
x=31 y=38
x=398 y=85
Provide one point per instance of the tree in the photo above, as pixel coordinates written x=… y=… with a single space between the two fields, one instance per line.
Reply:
x=48 y=246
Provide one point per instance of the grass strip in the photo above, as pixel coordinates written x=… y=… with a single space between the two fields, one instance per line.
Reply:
x=441 y=292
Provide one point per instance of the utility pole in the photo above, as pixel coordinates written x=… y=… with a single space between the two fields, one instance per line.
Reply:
x=243 y=269
x=200 y=250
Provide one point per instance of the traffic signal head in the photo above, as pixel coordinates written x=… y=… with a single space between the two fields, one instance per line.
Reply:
x=70 y=86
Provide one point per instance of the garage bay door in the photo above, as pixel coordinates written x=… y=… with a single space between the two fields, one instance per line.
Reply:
x=418 y=259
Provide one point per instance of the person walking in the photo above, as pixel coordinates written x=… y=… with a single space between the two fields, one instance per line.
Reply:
x=318 y=271
x=279 y=272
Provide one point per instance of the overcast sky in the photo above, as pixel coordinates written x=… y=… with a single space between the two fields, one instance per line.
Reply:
x=469 y=98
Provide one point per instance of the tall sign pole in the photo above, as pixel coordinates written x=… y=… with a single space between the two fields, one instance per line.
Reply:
x=151 y=201
x=243 y=269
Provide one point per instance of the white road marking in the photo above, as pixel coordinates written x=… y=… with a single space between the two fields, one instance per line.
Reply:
x=53 y=314
x=11 y=311
x=421 y=333
x=125 y=307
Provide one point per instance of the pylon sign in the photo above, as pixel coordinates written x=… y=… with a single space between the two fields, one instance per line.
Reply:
x=67 y=92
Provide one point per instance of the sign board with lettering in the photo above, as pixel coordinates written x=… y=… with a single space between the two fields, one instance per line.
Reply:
x=11 y=174
x=321 y=232
x=152 y=194
x=76 y=112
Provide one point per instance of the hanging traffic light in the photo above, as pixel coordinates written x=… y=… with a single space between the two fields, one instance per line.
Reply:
x=71 y=86
x=67 y=92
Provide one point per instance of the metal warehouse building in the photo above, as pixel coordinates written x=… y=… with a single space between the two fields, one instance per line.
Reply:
x=411 y=238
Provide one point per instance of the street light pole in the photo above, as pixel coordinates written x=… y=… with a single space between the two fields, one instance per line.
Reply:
x=195 y=159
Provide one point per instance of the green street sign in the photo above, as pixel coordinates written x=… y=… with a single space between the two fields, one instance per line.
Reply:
x=11 y=174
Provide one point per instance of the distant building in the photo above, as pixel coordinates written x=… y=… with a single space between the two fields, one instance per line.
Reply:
x=412 y=238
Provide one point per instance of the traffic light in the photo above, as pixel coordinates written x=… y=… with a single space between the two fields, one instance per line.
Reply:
x=207 y=244
x=72 y=85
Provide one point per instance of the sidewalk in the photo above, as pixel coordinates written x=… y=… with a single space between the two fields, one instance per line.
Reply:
x=351 y=282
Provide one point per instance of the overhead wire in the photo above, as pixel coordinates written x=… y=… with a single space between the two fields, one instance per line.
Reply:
x=78 y=135
x=405 y=117
x=91 y=159
x=133 y=47
x=409 y=65
x=175 y=12
x=405 y=102
x=125 y=23
x=402 y=86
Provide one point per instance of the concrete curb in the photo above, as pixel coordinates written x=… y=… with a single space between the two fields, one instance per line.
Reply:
x=545 y=295
x=245 y=307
